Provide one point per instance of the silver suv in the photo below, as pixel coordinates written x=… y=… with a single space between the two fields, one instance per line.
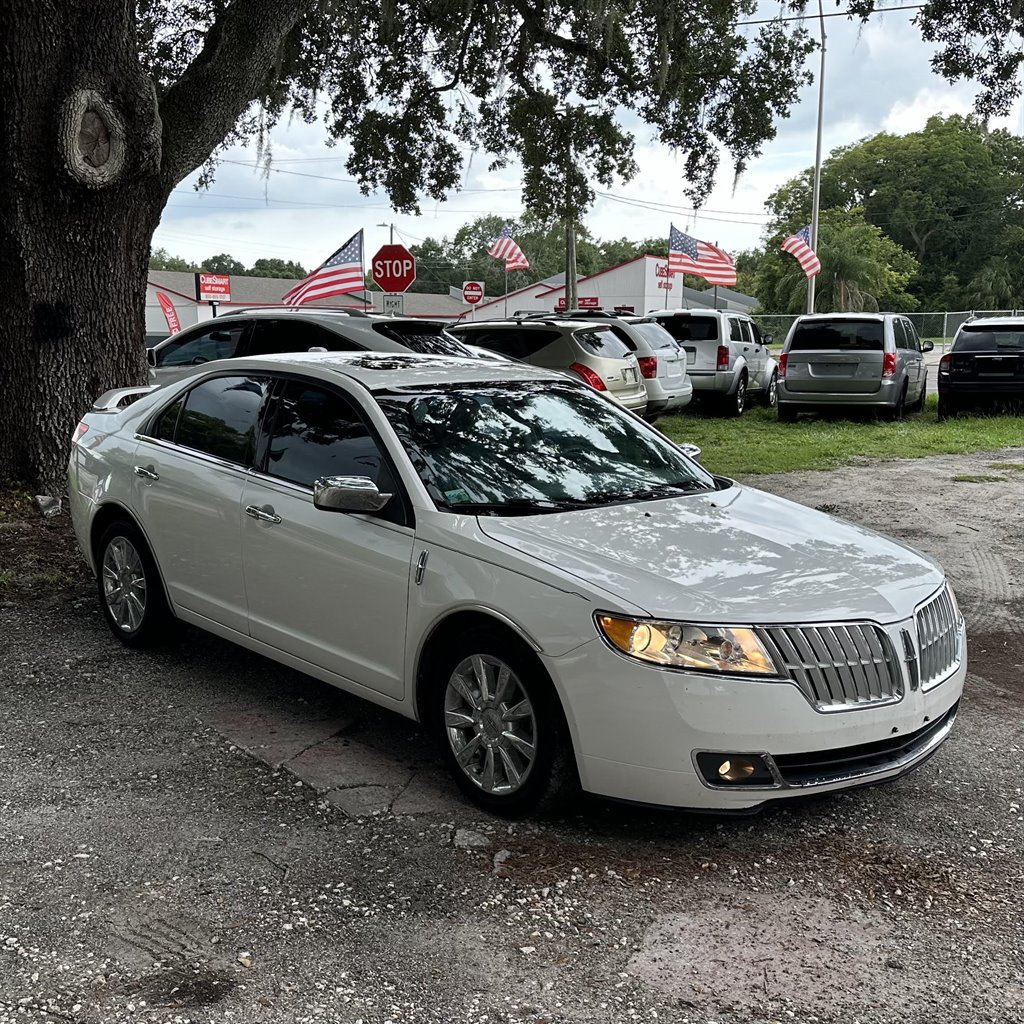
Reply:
x=272 y=330
x=591 y=351
x=726 y=356
x=873 y=360
x=662 y=362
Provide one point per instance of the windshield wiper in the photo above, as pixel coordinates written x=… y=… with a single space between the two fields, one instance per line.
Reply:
x=515 y=506
x=650 y=493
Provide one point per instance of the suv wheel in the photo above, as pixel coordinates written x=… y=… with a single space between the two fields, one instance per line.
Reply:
x=735 y=403
x=896 y=412
x=771 y=394
x=788 y=413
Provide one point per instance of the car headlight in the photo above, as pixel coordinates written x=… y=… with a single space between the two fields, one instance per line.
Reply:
x=729 y=649
x=958 y=616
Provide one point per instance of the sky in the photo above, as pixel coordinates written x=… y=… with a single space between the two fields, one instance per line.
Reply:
x=877 y=78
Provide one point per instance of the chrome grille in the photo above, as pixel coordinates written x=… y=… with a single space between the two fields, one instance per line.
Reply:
x=938 y=638
x=841 y=666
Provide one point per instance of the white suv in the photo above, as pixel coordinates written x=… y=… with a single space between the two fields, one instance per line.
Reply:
x=726 y=357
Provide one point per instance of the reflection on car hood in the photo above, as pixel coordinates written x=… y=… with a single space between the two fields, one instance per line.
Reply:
x=734 y=556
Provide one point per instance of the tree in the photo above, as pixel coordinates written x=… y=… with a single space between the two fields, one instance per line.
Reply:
x=276 y=268
x=996 y=285
x=161 y=259
x=223 y=264
x=861 y=270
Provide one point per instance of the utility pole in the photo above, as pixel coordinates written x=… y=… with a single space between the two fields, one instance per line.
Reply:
x=571 y=298
x=391 y=238
x=816 y=194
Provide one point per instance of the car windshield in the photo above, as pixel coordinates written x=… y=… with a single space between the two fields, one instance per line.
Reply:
x=985 y=339
x=523 y=448
x=690 y=328
x=427 y=339
x=839 y=336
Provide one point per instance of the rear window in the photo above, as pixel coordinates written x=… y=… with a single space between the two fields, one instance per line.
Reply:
x=655 y=335
x=691 y=328
x=511 y=342
x=839 y=336
x=601 y=341
x=988 y=339
x=425 y=338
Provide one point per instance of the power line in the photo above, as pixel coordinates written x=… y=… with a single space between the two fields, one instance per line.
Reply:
x=832 y=14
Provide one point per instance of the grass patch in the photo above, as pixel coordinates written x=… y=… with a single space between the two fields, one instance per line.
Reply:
x=1015 y=466
x=758 y=443
x=977 y=478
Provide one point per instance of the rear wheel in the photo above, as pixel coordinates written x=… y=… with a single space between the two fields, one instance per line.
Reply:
x=771 y=395
x=918 y=404
x=788 y=413
x=947 y=408
x=130 y=591
x=895 y=414
x=502 y=731
x=736 y=403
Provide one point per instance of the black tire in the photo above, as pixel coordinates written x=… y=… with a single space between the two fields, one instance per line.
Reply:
x=919 y=404
x=895 y=414
x=736 y=403
x=129 y=588
x=788 y=413
x=550 y=779
x=651 y=419
x=946 y=409
x=770 y=398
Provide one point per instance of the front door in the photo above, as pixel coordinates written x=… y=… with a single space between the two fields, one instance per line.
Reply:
x=190 y=471
x=330 y=588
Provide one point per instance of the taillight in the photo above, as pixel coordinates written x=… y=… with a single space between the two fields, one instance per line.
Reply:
x=80 y=431
x=589 y=376
x=944 y=364
x=723 y=357
x=648 y=365
x=888 y=364
x=783 y=359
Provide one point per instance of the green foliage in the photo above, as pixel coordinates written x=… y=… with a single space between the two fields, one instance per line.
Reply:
x=270 y=267
x=861 y=269
x=952 y=194
x=161 y=259
x=222 y=264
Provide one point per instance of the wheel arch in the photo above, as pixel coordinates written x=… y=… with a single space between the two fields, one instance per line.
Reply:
x=111 y=512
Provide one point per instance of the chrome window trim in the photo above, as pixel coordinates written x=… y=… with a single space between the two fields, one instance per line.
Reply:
x=201 y=456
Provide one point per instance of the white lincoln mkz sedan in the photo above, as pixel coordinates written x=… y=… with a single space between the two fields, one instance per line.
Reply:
x=555 y=590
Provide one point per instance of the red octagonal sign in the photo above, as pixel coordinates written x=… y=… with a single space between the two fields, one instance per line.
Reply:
x=393 y=269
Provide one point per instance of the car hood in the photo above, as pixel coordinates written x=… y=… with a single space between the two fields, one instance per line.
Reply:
x=732 y=556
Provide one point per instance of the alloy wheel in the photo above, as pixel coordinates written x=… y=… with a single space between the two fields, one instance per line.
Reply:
x=124 y=584
x=741 y=396
x=490 y=724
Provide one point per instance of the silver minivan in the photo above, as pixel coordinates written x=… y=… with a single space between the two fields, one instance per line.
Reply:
x=870 y=360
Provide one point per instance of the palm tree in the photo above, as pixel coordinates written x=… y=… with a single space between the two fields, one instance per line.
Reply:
x=994 y=287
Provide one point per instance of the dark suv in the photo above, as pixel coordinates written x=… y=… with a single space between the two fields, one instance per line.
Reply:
x=273 y=330
x=985 y=366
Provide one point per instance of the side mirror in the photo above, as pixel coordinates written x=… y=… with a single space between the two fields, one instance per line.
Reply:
x=151 y=356
x=767 y=339
x=927 y=346
x=691 y=451
x=348 y=494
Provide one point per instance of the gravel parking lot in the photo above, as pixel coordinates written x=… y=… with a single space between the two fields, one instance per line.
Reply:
x=199 y=835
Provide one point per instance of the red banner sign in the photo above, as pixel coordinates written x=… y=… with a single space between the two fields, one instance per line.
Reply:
x=170 y=313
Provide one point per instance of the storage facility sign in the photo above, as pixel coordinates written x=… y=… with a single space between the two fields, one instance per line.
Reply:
x=213 y=287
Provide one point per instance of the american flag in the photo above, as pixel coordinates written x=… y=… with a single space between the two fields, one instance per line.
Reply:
x=688 y=255
x=504 y=248
x=799 y=245
x=340 y=274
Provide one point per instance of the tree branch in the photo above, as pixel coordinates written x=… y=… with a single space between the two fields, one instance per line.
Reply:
x=231 y=71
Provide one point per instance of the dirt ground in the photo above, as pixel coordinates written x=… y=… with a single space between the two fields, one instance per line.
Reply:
x=198 y=835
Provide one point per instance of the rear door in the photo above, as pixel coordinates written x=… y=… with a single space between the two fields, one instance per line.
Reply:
x=836 y=357
x=697 y=336
x=758 y=355
x=913 y=358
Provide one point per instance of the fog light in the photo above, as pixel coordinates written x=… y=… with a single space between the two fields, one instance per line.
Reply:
x=735 y=769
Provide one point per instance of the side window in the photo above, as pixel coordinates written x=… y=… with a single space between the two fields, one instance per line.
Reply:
x=271 y=337
x=167 y=421
x=900 y=333
x=755 y=334
x=213 y=342
x=221 y=416
x=319 y=433
x=745 y=328
x=735 y=333
x=913 y=339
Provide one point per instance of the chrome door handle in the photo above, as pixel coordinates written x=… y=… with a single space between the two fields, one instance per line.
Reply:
x=265 y=514
x=146 y=472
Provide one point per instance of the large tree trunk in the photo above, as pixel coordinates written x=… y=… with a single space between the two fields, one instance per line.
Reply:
x=80 y=196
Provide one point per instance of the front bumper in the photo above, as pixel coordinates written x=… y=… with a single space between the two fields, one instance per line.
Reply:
x=637 y=728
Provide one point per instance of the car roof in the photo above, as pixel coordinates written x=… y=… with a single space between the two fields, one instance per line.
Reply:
x=994 y=321
x=378 y=371
x=846 y=316
x=571 y=323
x=680 y=311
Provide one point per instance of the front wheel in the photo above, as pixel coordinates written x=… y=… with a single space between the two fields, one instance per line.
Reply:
x=130 y=592
x=503 y=734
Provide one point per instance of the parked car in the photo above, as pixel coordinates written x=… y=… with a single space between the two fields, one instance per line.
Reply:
x=726 y=357
x=662 y=362
x=867 y=360
x=271 y=329
x=545 y=581
x=592 y=352
x=984 y=368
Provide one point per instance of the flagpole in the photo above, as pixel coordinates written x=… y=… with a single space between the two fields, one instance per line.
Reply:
x=506 y=288
x=816 y=194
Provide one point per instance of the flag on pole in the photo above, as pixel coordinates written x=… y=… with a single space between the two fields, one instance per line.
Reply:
x=688 y=255
x=799 y=245
x=170 y=313
x=340 y=274
x=504 y=248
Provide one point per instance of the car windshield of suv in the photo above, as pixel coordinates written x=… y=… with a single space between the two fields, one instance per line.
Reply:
x=839 y=336
x=691 y=328
x=985 y=339
x=655 y=335
x=525 y=448
x=427 y=339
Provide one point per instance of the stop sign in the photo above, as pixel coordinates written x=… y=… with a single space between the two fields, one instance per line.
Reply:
x=393 y=269
x=472 y=292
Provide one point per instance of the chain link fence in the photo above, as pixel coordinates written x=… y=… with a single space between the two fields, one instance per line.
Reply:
x=938 y=327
